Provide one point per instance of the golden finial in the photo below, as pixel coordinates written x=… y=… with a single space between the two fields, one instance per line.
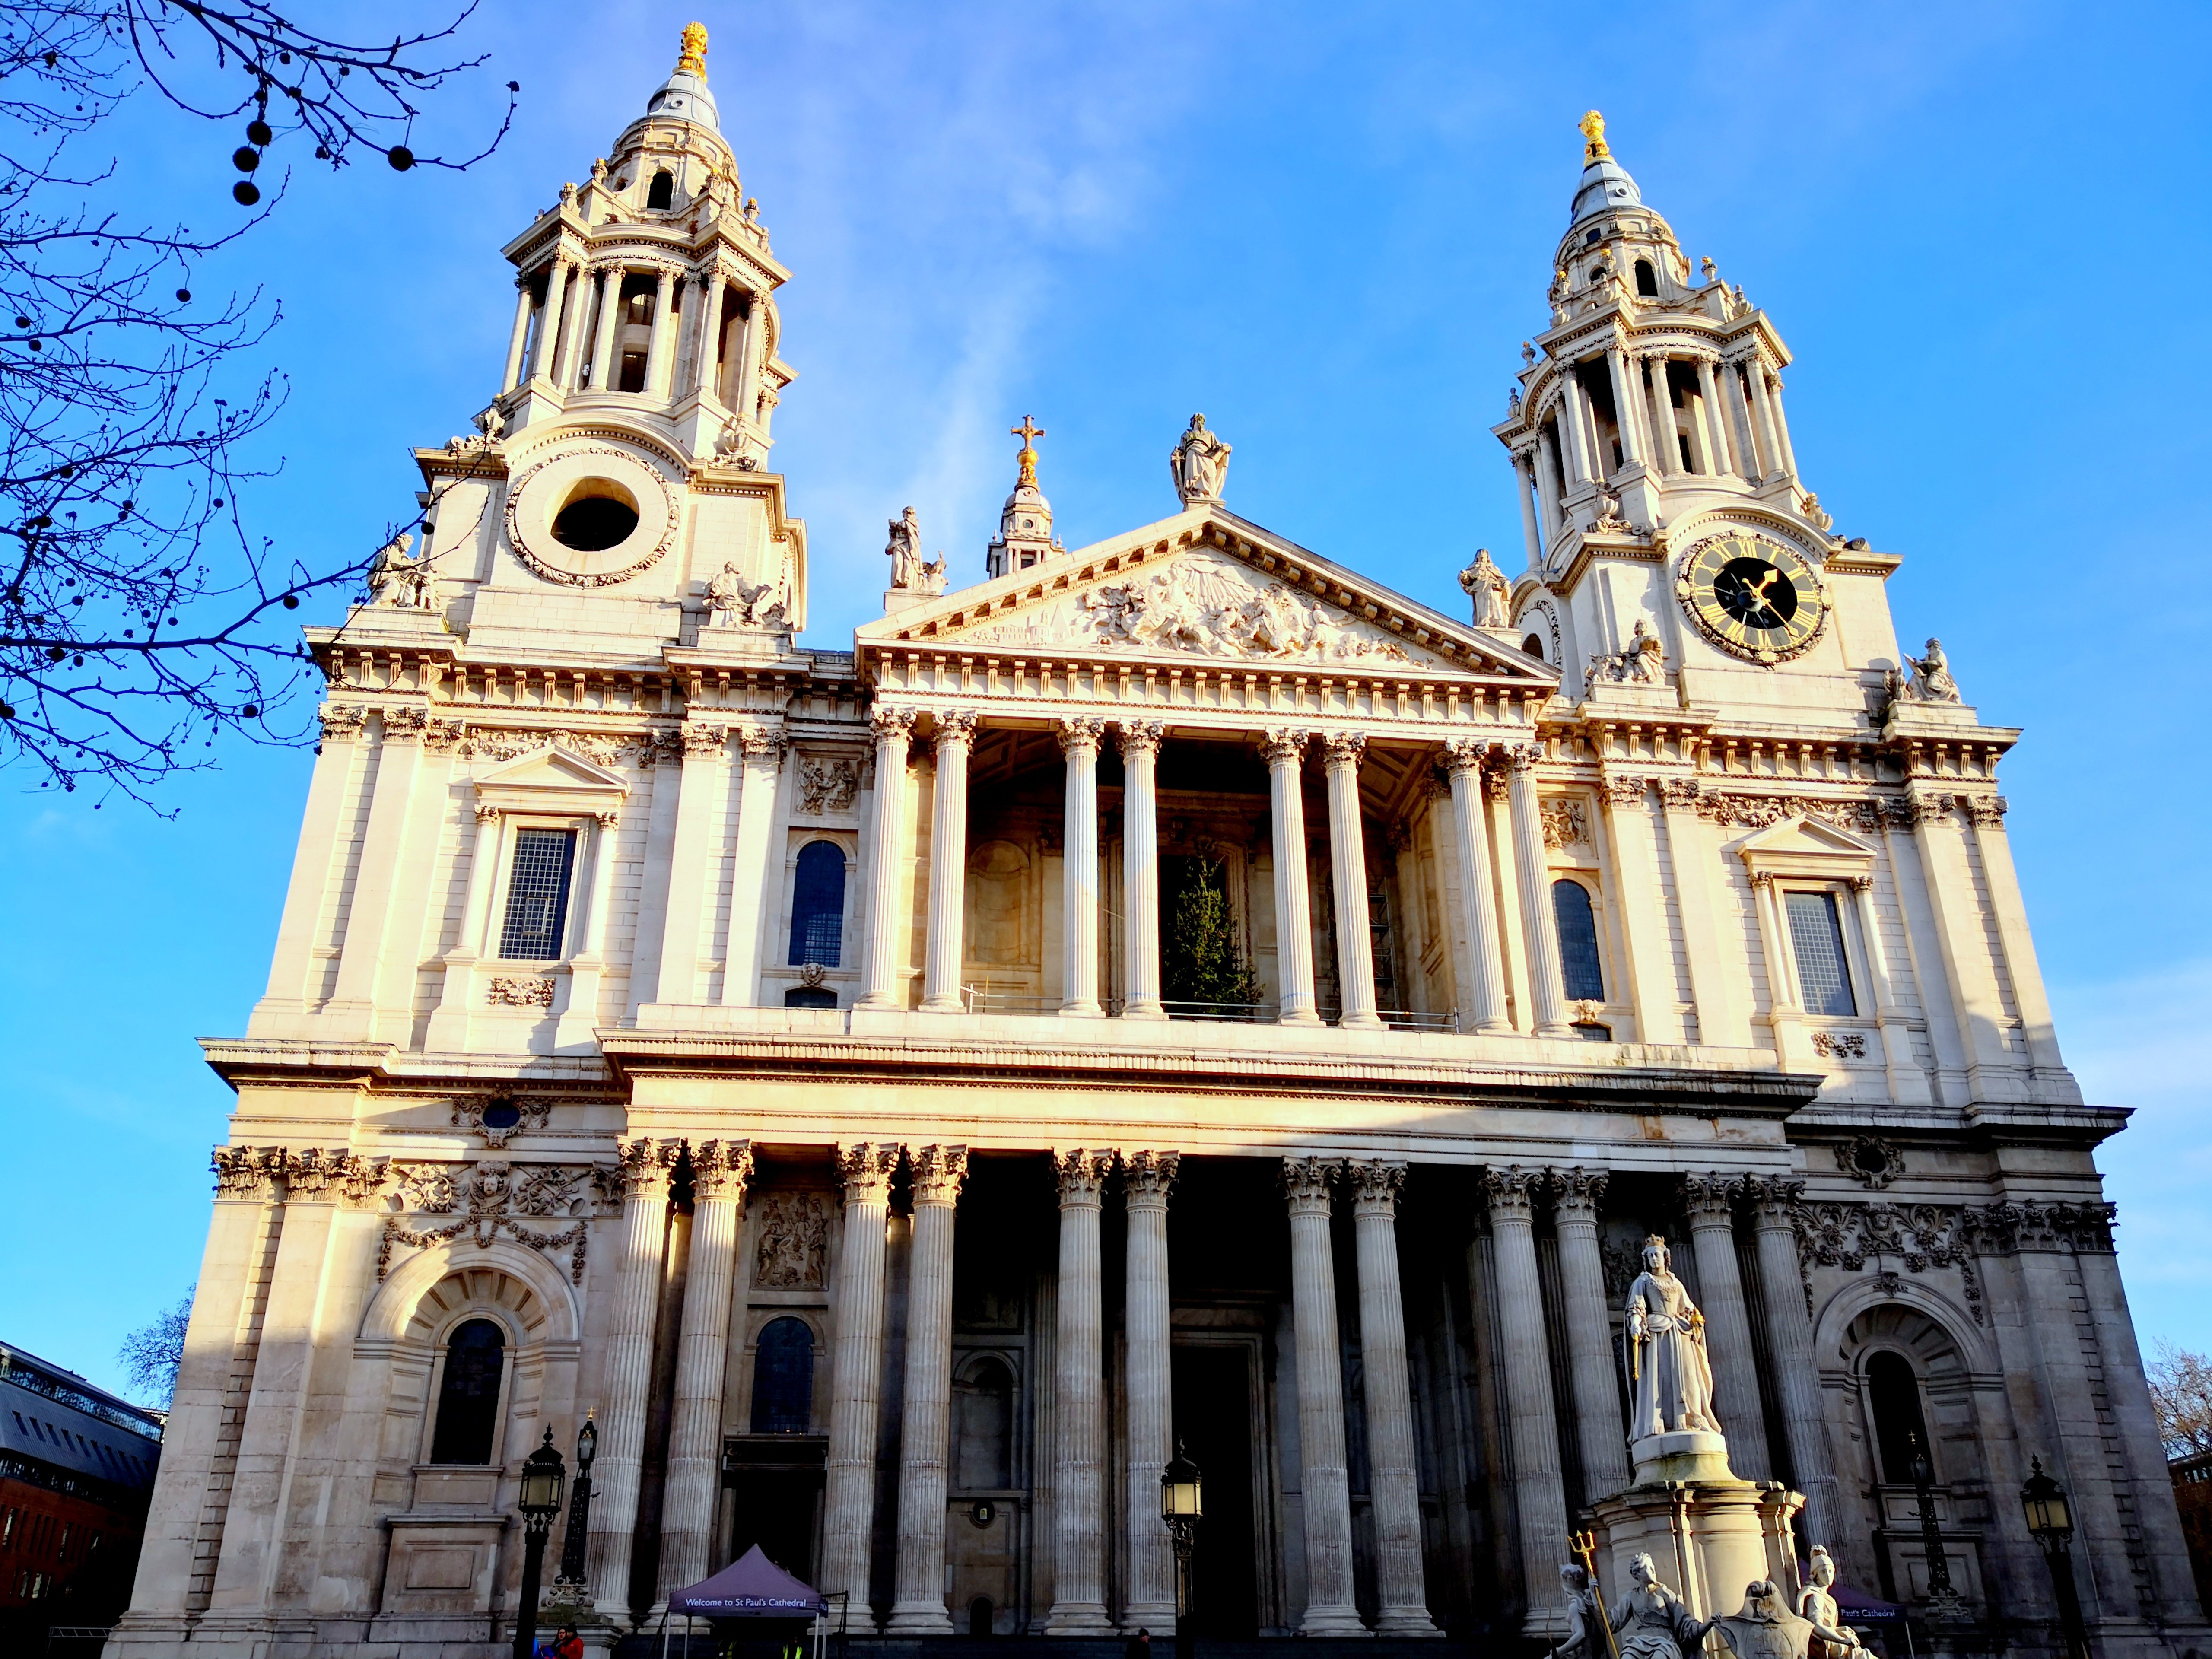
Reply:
x=1592 y=128
x=693 y=60
x=1029 y=431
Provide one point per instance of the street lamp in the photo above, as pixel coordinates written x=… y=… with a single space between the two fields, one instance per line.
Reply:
x=1181 y=1504
x=2051 y=1523
x=1943 y=1600
x=569 y=1582
x=542 y=1476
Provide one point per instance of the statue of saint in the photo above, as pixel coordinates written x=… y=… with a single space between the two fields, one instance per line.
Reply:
x=1817 y=1607
x=1199 y=463
x=1653 y=1622
x=1670 y=1377
x=1766 y=1628
x=1931 y=676
x=905 y=550
x=396 y=579
x=1644 y=661
x=1484 y=583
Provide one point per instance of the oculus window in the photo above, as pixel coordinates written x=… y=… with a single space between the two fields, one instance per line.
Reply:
x=537 y=894
x=817 y=905
x=1816 y=934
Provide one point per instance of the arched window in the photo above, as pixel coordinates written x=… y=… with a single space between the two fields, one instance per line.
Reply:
x=661 y=192
x=1579 y=969
x=983 y=1428
x=817 y=905
x=1893 y=1394
x=783 y=1378
x=468 y=1398
x=1533 y=644
x=1647 y=280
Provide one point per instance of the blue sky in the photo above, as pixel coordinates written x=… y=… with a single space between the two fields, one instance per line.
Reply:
x=1329 y=227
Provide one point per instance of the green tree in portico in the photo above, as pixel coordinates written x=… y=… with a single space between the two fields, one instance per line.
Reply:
x=1204 y=957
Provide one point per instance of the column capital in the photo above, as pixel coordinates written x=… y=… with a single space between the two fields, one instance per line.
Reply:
x=1081 y=1172
x=1376 y=1183
x=1510 y=1192
x=1466 y=754
x=245 y=1171
x=1773 y=1198
x=1621 y=792
x=1306 y=1183
x=1710 y=1200
x=1521 y=756
x=1283 y=742
x=1344 y=748
x=721 y=1168
x=865 y=1168
x=956 y=727
x=1079 y=731
x=705 y=739
x=755 y=741
x=647 y=1165
x=888 y=723
x=1147 y=1177
x=1576 y=1193
x=1139 y=737
x=330 y=1175
x=938 y=1172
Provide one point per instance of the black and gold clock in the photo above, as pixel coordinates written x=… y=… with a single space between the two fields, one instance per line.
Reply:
x=1751 y=596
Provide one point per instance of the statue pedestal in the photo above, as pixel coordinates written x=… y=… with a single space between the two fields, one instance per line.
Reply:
x=1709 y=1537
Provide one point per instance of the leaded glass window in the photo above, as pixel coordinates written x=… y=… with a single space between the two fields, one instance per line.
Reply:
x=537 y=894
x=783 y=1377
x=817 y=905
x=1583 y=976
x=1816 y=931
x=468 y=1395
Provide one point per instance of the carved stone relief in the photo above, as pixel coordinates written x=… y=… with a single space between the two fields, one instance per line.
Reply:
x=827 y=785
x=492 y=1197
x=793 y=1250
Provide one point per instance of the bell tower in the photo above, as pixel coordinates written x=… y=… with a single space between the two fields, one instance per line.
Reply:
x=1025 y=535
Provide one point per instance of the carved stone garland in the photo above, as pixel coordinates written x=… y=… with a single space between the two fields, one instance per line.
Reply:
x=494 y=1198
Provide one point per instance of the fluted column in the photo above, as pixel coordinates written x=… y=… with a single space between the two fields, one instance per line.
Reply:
x=1711 y=1207
x=1148 y=1383
x=1718 y=440
x=1598 y=1429
x=1540 y=1495
x=720 y=1170
x=1574 y=428
x=1285 y=749
x=925 y=1416
x=548 y=331
x=1539 y=926
x=1484 y=994
x=603 y=337
x=750 y=889
x=701 y=331
x=1625 y=396
x=948 y=864
x=856 y=1377
x=1394 y=1483
x=1547 y=487
x=1078 y=1493
x=519 y=339
x=574 y=317
x=1779 y=418
x=1524 y=478
x=646 y=1166
x=1762 y=414
x=892 y=727
x=661 y=346
x=1665 y=450
x=1347 y=863
x=1141 y=870
x=1789 y=1350
x=1327 y=1484
x=1078 y=877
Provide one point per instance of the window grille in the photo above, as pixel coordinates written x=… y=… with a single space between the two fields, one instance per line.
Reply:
x=817 y=905
x=1583 y=975
x=1816 y=932
x=537 y=894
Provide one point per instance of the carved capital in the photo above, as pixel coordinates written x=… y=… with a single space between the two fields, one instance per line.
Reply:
x=332 y=1176
x=705 y=739
x=1306 y=1182
x=1625 y=792
x=1147 y=1177
x=647 y=1165
x=1140 y=736
x=1465 y=754
x=1376 y=1184
x=1576 y=1193
x=441 y=736
x=1344 y=748
x=1984 y=812
x=1680 y=793
x=245 y=1171
x=955 y=729
x=865 y=1170
x=403 y=722
x=757 y=741
x=1711 y=1200
x=342 y=720
x=1523 y=757
x=1772 y=1198
x=1510 y=1192
x=721 y=1168
x=890 y=725
x=1081 y=1172
x=938 y=1172
x=1284 y=744
x=1079 y=731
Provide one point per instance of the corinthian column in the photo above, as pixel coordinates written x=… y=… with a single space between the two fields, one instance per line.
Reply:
x=1539 y=1494
x=1599 y=1430
x=856 y=1376
x=948 y=864
x=926 y=1421
x=1078 y=880
x=1294 y=995
x=1400 y=1592
x=1485 y=995
x=1347 y=862
x=520 y=337
x=1141 y=870
x=601 y=369
x=1728 y=1324
x=548 y=328
x=646 y=1167
x=720 y=1170
x=1789 y=1350
x=892 y=727
x=1327 y=1494
x=1079 y=1563
x=1538 y=924
x=1147 y=1377
x=660 y=344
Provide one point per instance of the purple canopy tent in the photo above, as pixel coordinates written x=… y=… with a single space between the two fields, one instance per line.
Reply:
x=751 y=1587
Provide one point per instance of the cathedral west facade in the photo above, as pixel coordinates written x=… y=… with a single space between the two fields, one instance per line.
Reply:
x=1171 y=990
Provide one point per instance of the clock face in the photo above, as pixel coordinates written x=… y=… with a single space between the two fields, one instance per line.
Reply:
x=1751 y=596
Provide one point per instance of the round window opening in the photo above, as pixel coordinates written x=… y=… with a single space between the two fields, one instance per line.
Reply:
x=502 y=1115
x=1869 y=1159
x=600 y=513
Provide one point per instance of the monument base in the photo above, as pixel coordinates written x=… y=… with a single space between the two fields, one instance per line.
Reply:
x=1708 y=1538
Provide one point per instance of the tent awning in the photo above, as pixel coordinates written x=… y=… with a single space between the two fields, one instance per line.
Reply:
x=751 y=1587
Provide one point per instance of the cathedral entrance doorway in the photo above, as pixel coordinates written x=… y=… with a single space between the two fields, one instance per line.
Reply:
x=1215 y=1420
x=774 y=1494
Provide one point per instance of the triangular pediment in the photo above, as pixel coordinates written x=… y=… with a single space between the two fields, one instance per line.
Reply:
x=1805 y=836
x=1206 y=589
x=549 y=775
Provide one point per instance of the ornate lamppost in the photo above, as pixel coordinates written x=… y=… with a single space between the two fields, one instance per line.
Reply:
x=568 y=1584
x=543 y=1477
x=2051 y=1523
x=1943 y=1600
x=1180 y=1506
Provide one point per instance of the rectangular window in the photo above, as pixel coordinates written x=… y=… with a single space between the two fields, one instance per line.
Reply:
x=633 y=372
x=537 y=894
x=1817 y=933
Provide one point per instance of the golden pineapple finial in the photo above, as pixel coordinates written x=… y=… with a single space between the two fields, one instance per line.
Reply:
x=693 y=60
x=1592 y=128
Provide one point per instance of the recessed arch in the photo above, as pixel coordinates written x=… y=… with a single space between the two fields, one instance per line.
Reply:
x=427 y=1294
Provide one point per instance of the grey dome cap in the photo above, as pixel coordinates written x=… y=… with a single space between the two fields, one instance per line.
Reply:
x=1606 y=184
x=684 y=97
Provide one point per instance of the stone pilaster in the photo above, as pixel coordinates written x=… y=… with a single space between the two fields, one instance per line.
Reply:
x=1146 y=1178
x=1539 y=928
x=647 y=1165
x=1711 y=1203
x=1394 y=1482
x=926 y=1424
x=706 y=775
x=1539 y=1491
x=750 y=890
x=856 y=1377
x=1329 y=1610
x=1591 y=1360
x=1078 y=1599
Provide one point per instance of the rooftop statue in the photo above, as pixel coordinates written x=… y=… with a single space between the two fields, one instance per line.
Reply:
x=1484 y=583
x=1199 y=463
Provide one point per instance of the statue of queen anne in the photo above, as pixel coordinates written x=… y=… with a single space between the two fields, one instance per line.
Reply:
x=1670 y=1377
